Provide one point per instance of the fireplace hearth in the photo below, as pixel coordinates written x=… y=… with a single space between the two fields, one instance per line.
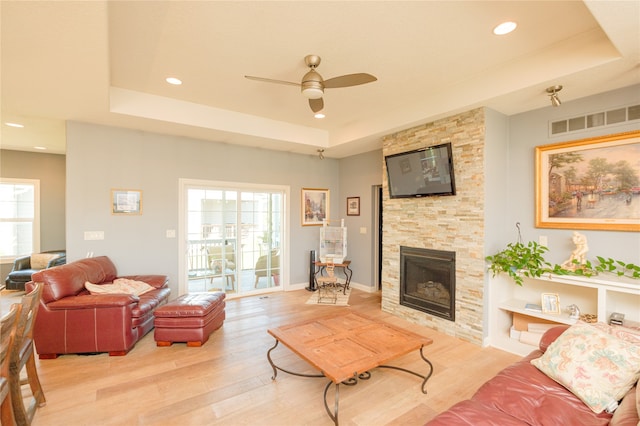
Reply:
x=427 y=281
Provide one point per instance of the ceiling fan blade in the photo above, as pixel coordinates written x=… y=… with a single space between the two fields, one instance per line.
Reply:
x=270 y=80
x=316 y=104
x=349 y=80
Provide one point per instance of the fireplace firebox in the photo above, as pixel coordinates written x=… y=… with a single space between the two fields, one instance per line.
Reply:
x=428 y=281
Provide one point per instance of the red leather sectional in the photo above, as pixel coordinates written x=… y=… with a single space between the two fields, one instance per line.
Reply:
x=523 y=395
x=71 y=320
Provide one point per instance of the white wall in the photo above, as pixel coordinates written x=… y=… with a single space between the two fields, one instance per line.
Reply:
x=529 y=130
x=358 y=175
x=496 y=200
x=102 y=158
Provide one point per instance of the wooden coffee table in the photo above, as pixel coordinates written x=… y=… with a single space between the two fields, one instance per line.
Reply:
x=345 y=347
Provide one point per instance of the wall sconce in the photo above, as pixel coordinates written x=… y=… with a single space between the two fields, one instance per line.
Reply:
x=553 y=95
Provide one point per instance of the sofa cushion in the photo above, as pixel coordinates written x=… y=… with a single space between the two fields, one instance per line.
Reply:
x=473 y=413
x=22 y=275
x=148 y=302
x=527 y=394
x=597 y=367
x=68 y=280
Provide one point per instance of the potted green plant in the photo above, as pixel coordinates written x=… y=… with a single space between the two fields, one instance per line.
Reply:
x=519 y=260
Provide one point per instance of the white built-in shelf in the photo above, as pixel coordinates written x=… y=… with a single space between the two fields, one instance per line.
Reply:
x=600 y=295
x=517 y=306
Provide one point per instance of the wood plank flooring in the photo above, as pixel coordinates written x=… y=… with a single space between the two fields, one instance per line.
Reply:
x=228 y=380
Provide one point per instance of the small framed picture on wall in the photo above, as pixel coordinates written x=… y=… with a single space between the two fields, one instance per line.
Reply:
x=353 y=206
x=126 y=201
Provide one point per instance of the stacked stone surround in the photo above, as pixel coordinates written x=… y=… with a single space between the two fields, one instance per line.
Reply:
x=453 y=223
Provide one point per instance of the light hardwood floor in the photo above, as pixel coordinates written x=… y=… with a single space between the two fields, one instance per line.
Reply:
x=228 y=380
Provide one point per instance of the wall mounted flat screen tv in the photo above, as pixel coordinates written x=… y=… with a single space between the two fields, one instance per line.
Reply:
x=421 y=173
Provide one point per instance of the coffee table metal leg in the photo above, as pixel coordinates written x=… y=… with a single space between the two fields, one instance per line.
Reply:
x=334 y=414
x=349 y=382
x=276 y=368
x=424 y=378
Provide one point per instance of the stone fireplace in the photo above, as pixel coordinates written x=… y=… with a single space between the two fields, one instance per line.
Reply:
x=453 y=224
x=428 y=281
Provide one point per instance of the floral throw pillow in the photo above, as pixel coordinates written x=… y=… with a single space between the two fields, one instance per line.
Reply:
x=597 y=367
x=630 y=335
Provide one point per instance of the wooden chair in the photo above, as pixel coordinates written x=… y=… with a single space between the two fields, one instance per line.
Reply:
x=23 y=355
x=7 y=337
x=222 y=262
x=328 y=285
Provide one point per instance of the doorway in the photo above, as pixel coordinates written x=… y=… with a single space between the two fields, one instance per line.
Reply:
x=233 y=237
x=377 y=233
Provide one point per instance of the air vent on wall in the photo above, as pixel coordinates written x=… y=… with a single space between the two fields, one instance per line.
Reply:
x=597 y=119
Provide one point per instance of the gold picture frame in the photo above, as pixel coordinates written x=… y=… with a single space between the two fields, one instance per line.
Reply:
x=314 y=206
x=589 y=183
x=550 y=303
x=126 y=202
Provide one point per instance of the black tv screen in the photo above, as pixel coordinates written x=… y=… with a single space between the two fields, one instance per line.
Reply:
x=422 y=172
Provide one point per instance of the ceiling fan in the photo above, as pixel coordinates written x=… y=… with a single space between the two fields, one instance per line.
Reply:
x=312 y=85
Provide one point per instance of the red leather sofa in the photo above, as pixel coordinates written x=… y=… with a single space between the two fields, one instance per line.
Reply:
x=523 y=395
x=72 y=320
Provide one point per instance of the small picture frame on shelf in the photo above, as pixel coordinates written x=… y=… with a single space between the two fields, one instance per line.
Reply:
x=550 y=303
x=353 y=206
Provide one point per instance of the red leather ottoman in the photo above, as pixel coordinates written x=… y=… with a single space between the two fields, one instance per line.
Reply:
x=190 y=318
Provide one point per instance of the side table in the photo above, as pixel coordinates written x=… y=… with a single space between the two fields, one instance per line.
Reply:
x=344 y=266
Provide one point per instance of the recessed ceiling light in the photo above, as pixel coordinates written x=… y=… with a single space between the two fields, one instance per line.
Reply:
x=319 y=115
x=174 y=81
x=20 y=126
x=41 y=148
x=505 y=28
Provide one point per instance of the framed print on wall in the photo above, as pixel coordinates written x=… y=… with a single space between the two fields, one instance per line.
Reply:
x=590 y=183
x=315 y=206
x=353 y=206
x=126 y=201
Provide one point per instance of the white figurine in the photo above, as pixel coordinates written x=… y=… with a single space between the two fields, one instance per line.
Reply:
x=574 y=311
x=579 y=255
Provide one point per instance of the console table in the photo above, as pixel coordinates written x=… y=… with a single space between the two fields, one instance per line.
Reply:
x=346 y=271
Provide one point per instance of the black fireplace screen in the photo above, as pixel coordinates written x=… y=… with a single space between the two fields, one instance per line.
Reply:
x=428 y=281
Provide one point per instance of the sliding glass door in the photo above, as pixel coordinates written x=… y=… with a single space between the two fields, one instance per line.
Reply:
x=234 y=237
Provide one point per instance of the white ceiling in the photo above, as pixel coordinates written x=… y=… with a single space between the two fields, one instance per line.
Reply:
x=106 y=62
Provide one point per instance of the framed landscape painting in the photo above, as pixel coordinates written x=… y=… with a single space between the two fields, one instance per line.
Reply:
x=590 y=183
x=315 y=206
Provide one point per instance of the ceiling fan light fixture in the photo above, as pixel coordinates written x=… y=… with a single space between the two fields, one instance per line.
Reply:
x=553 y=95
x=312 y=87
x=312 y=92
